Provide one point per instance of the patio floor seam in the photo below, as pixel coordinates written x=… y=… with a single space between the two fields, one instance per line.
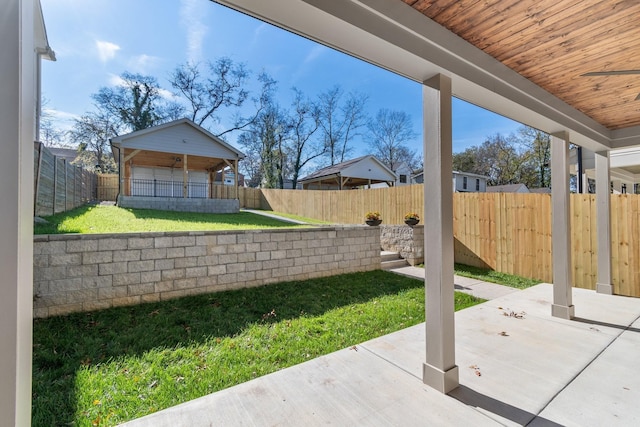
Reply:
x=584 y=368
x=387 y=360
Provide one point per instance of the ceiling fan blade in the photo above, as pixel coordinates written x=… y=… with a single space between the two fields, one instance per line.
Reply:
x=611 y=73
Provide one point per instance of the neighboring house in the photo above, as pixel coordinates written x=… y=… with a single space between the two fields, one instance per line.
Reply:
x=624 y=170
x=508 y=188
x=463 y=182
x=360 y=172
x=229 y=178
x=68 y=154
x=173 y=166
x=541 y=190
x=404 y=173
x=288 y=184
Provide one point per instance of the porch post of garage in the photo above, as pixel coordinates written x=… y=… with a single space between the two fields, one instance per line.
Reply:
x=561 y=239
x=603 y=223
x=185 y=177
x=440 y=370
x=235 y=177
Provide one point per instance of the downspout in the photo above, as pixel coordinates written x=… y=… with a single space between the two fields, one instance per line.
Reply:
x=580 y=171
x=119 y=171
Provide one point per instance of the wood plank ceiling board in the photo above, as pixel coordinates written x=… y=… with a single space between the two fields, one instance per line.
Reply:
x=553 y=43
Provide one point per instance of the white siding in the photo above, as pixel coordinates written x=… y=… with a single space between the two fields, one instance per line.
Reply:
x=368 y=169
x=180 y=139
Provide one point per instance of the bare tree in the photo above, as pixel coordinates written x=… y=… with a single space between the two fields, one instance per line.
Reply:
x=304 y=121
x=137 y=102
x=264 y=139
x=538 y=146
x=388 y=134
x=223 y=88
x=91 y=133
x=339 y=121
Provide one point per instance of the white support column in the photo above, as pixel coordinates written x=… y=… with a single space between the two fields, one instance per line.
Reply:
x=561 y=238
x=603 y=223
x=440 y=370
x=17 y=133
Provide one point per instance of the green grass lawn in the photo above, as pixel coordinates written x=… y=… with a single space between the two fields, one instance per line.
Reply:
x=300 y=218
x=494 y=276
x=110 y=366
x=112 y=219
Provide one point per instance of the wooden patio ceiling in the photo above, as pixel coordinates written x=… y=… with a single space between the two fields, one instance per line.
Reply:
x=553 y=43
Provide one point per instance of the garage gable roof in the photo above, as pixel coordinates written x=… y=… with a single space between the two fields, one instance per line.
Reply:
x=365 y=167
x=179 y=136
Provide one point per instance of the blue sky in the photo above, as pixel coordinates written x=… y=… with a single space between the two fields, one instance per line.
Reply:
x=97 y=40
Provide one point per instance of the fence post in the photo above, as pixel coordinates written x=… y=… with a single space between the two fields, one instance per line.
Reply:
x=36 y=186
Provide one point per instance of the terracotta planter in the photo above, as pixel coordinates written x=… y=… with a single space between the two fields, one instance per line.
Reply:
x=373 y=222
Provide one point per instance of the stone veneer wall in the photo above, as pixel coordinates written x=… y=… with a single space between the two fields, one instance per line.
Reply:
x=180 y=204
x=408 y=241
x=87 y=272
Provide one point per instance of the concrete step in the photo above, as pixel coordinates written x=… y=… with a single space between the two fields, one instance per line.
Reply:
x=391 y=260
x=390 y=265
x=389 y=256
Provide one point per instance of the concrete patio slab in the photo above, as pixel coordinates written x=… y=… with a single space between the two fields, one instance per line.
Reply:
x=522 y=368
x=468 y=285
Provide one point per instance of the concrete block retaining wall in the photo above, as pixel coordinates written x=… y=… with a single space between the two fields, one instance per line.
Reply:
x=180 y=204
x=407 y=241
x=75 y=273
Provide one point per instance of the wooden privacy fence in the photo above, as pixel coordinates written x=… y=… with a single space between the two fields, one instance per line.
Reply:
x=107 y=187
x=58 y=185
x=506 y=232
x=347 y=206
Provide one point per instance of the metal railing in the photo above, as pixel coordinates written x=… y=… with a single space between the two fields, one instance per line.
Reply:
x=194 y=190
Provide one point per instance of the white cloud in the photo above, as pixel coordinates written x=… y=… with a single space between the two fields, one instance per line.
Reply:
x=115 y=80
x=191 y=14
x=168 y=95
x=62 y=120
x=106 y=50
x=304 y=67
x=143 y=63
x=314 y=54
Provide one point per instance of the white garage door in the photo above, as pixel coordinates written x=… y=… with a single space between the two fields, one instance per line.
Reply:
x=198 y=184
x=156 y=182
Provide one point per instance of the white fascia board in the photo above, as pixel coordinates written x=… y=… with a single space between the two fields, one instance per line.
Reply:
x=625 y=157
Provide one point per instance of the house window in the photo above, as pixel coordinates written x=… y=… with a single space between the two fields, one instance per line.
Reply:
x=624 y=188
x=477 y=184
x=464 y=182
x=403 y=179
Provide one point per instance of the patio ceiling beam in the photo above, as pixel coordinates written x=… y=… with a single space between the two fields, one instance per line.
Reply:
x=440 y=370
x=603 y=223
x=132 y=155
x=561 y=227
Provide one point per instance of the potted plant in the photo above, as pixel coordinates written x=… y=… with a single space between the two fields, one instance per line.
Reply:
x=373 y=218
x=411 y=219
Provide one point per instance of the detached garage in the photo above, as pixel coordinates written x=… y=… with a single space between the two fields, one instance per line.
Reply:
x=174 y=166
x=362 y=172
